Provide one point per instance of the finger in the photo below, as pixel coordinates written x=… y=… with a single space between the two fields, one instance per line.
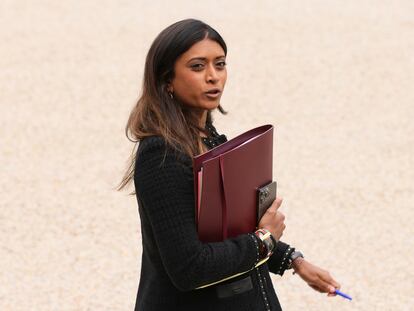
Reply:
x=315 y=287
x=326 y=277
x=281 y=216
x=330 y=289
x=326 y=287
x=276 y=203
x=336 y=284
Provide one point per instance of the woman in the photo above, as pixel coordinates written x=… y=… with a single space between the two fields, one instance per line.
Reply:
x=184 y=78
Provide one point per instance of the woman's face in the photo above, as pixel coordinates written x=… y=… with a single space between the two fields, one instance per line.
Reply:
x=200 y=75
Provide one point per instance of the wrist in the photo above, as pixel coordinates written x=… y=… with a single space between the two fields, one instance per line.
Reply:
x=295 y=260
x=264 y=230
x=267 y=242
x=297 y=263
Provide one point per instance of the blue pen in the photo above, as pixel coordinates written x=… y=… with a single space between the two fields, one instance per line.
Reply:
x=338 y=292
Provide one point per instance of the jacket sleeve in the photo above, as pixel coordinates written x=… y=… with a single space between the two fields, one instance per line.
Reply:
x=279 y=260
x=165 y=187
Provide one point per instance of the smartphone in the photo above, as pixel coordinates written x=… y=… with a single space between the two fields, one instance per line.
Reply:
x=265 y=196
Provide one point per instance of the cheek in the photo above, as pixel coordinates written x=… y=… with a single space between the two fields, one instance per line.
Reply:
x=224 y=79
x=188 y=85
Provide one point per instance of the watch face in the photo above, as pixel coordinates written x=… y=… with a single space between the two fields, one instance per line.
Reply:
x=296 y=254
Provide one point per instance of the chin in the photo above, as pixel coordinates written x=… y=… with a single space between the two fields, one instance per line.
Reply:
x=205 y=105
x=211 y=105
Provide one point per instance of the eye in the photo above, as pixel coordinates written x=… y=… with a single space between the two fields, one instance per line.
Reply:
x=222 y=64
x=197 y=67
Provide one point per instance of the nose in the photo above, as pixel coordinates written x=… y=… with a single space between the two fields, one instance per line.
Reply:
x=211 y=74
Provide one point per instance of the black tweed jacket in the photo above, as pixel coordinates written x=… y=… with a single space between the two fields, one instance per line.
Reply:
x=174 y=261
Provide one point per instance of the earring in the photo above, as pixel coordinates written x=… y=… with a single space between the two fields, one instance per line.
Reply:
x=171 y=95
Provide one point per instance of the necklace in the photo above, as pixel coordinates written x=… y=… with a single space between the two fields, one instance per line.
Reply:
x=213 y=139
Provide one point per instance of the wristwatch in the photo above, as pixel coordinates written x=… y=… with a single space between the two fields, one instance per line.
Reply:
x=293 y=256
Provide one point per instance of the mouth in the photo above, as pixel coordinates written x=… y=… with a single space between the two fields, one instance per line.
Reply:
x=213 y=93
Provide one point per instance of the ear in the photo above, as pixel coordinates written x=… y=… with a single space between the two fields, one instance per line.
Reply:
x=170 y=89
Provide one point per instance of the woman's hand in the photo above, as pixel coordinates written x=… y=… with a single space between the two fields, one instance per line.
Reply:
x=317 y=278
x=273 y=220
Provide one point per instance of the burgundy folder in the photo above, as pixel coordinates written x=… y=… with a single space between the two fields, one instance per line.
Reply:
x=226 y=180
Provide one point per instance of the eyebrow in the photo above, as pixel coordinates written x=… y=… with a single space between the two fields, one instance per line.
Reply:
x=204 y=58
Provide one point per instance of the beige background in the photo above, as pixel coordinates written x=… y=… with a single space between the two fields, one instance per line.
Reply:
x=336 y=79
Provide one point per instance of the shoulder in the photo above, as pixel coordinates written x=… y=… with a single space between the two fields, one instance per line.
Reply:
x=156 y=158
x=156 y=150
x=151 y=143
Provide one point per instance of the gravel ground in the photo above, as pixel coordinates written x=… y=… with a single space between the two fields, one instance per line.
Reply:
x=335 y=78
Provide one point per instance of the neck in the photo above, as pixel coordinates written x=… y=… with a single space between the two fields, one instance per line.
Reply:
x=203 y=118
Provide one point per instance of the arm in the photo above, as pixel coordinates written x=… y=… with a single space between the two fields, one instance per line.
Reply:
x=279 y=261
x=167 y=193
x=317 y=278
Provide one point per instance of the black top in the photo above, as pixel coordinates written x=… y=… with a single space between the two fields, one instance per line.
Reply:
x=213 y=139
x=174 y=261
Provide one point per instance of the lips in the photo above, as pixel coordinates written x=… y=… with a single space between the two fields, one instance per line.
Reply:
x=213 y=91
x=213 y=94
